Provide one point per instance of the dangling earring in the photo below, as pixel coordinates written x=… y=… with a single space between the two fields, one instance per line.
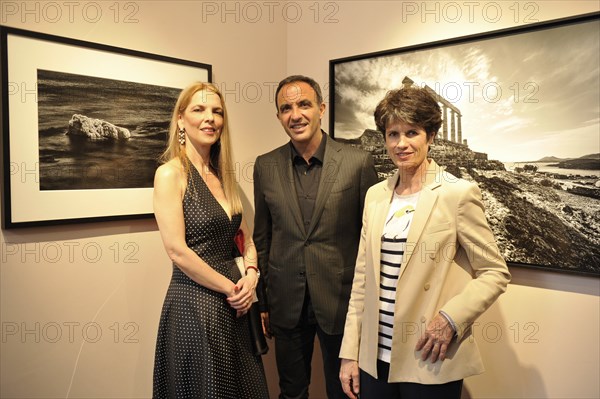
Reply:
x=182 y=136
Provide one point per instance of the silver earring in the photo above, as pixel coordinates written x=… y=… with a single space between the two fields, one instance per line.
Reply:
x=181 y=136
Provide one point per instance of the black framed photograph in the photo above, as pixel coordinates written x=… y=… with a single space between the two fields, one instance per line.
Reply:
x=83 y=127
x=521 y=111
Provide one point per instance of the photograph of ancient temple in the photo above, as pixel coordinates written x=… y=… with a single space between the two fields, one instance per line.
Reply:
x=97 y=133
x=521 y=119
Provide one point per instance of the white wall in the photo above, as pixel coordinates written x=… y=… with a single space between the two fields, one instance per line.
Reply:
x=120 y=295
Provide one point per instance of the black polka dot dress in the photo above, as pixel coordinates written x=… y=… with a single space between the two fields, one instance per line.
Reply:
x=202 y=349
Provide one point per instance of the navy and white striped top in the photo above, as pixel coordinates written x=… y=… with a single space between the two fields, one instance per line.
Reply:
x=393 y=244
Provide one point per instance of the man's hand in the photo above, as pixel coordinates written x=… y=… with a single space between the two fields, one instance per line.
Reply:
x=436 y=339
x=349 y=378
x=266 y=324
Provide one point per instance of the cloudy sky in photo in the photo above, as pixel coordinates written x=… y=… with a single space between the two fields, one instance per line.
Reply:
x=522 y=96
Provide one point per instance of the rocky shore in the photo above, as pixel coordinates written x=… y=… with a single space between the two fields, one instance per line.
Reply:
x=536 y=223
x=537 y=218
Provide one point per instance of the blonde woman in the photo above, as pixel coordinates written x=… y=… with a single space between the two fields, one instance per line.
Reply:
x=203 y=347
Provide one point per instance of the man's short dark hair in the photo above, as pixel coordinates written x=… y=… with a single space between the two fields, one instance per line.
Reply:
x=300 y=78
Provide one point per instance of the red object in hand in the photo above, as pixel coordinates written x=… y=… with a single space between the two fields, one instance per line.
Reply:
x=239 y=241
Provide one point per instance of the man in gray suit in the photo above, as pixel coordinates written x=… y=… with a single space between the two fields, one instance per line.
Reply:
x=309 y=196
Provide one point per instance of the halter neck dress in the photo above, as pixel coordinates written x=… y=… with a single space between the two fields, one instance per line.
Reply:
x=202 y=349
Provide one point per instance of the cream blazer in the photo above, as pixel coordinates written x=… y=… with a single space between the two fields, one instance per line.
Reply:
x=451 y=263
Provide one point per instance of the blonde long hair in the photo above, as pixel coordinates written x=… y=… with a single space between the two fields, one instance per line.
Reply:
x=221 y=159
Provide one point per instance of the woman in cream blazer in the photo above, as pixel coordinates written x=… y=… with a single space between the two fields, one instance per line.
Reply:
x=410 y=334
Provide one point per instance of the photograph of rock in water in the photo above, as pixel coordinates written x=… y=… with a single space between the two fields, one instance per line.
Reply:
x=521 y=119
x=97 y=133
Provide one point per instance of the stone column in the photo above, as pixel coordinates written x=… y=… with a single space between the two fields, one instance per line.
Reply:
x=452 y=127
x=458 y=118
x=445 y=123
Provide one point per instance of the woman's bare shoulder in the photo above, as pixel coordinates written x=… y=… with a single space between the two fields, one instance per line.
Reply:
x=170 y=173
x=170 y=169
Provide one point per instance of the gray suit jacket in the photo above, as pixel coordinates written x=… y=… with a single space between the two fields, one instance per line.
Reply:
x=323 y=256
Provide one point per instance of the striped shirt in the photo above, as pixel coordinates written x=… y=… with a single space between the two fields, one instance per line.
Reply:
x=393 y=244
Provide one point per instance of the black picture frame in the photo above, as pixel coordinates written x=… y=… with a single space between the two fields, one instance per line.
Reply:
x=47 y=178
x=544 y=217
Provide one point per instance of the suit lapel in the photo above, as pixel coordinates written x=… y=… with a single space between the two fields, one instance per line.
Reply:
x=286 y=177
x=329 y=172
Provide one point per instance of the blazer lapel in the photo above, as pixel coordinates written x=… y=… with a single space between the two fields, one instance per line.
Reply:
x=380 y=211
x=286 y=177
x=331 y=167
x=427 y=200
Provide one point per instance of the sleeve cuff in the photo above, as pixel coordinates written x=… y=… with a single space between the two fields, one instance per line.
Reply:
x=447 y=317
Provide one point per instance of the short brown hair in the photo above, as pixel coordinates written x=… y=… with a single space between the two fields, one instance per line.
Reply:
x=413 y=105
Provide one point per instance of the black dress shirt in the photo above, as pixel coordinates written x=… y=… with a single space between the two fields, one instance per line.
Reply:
x=307 y=176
